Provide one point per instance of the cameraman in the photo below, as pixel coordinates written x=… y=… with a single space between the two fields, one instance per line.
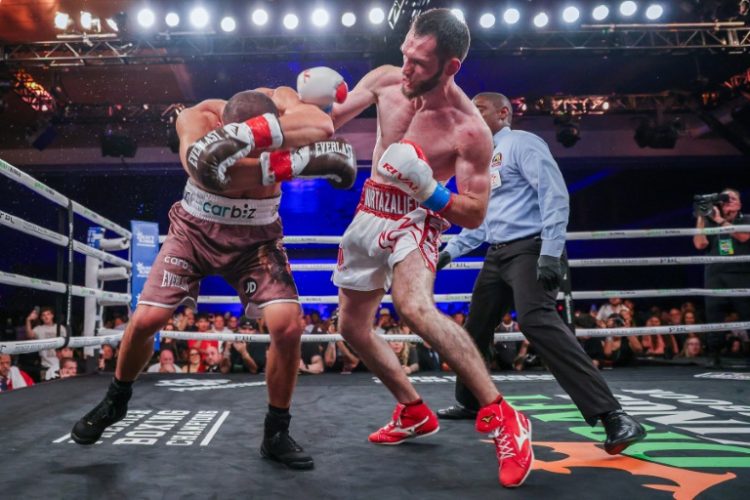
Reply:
x=725 y=275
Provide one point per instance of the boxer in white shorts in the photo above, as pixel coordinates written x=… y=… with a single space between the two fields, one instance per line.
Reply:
x=428 y=131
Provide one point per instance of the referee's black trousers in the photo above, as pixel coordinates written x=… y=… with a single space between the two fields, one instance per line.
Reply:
x=508 y=277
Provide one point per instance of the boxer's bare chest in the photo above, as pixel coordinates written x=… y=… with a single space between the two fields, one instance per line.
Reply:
x=435 y=131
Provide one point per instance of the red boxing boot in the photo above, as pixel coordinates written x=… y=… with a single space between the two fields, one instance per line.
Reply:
x=408 y=422
x=511 y=431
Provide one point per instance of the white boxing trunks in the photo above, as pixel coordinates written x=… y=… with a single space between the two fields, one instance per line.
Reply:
x=387 y=226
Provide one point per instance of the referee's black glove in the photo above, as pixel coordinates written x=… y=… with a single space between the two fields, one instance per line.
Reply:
x=443 y=260
x=549 y=272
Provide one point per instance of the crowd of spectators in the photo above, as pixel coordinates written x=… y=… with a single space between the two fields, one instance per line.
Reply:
x=212 y=356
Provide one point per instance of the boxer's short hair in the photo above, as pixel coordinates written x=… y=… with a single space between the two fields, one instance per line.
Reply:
x=248 y=104
x=451 y=34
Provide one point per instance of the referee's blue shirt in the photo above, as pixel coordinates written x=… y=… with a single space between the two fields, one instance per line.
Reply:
x=527 y=197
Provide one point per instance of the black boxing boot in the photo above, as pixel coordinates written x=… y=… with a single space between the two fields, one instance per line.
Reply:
x=111 y=409
x=278 y=445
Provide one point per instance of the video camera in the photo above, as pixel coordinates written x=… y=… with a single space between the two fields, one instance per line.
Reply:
x=703 y=204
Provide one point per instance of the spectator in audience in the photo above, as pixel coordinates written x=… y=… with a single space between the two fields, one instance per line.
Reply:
x=195 y=363
x=429 y=359
x=233 y=323
x=340 y=356
x=60 y=354
x=692 y=347
x=620 y=351
x=405 y=353
x=688 y=318
x=312 y=358
x=166 y=362
x=68 y=368
x=384 y=321
x=120 y=321
x=735 y=347
x=107 y=358
x=505 y=353
x=11 y=377
x=592 y=345
x=605 y=311
x=203 y=324
x=47 y=330
x=245 y=357
x=213 y=358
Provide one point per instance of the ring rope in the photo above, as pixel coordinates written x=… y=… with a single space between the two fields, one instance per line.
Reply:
x=40 y=232
x=614 y=262
x=576 y=235
x=110 y=298
x=112 y=337
x=466 y=297
x=42 y=189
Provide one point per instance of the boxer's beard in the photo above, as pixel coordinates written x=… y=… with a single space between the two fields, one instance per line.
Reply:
x=425 y=86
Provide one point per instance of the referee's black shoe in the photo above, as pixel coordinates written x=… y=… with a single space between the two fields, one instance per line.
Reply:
x=622 y=431
x=457 y=412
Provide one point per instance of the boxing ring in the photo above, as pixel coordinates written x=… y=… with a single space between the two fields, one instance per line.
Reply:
x=698 y=420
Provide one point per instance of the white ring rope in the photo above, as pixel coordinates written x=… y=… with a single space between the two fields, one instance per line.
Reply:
x=40 y=188
x=27 y=227
x=466 y=297
x=577 y=235
x=108 y=298
x=112 y=337
x=613 y=262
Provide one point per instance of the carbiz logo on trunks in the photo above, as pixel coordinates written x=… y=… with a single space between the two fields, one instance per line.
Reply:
x=176 y=261
x=231 y=212
x=164 y=427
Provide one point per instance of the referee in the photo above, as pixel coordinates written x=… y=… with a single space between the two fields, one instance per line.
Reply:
x=525 y=227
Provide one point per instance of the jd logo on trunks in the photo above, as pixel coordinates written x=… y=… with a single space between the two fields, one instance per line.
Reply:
x=250 y=287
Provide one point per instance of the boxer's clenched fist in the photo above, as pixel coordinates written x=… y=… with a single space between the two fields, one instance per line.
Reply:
x=405 y=166
x=333 y=160
x=211 y=155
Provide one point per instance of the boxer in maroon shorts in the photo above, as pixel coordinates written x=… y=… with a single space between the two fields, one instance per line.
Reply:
x=235 y=153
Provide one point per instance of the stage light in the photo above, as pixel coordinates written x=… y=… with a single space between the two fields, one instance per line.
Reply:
x=290 y=21
x=112 y=24
x=568 y=133
x=320 y=17
x=260 y=17
x=376 y=15
x=172 y=19
x=62 y=20
x=628 y=8
x=487 y=21
x=146 y=18
x=348 y=19
x=459 y=14
x=655 y=135
x=541 y=20
x=199 y=17
x=600 y=12
x=571 y=14
x=86 y=20
x=228 y=24
x=511 y=16
x=654 y=12
x=605 y=105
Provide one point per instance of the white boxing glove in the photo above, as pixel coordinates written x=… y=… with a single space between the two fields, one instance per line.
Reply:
x=405 y=166
x=322 y=87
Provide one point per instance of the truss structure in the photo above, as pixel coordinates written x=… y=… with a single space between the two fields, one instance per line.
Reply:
x=176 y=48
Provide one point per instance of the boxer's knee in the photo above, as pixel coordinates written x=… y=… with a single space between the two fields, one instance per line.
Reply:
x=286 y=336
x=146 y=322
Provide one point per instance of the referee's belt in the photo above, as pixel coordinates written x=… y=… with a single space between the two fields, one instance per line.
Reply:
x=498 y=246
